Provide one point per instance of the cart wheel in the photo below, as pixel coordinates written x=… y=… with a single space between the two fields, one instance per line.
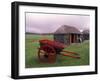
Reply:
x=45 y=51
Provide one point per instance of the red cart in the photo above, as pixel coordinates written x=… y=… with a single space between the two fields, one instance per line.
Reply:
x=49 y=49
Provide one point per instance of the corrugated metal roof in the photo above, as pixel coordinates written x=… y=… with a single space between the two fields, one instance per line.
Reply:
x=85 y=32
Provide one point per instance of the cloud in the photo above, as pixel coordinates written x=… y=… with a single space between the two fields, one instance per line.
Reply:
x=47 y=23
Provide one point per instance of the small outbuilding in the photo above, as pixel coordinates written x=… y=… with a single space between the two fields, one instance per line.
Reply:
x=85 y=35
x=67 y=35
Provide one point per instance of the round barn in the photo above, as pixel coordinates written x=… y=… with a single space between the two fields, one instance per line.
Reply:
x=67 y=35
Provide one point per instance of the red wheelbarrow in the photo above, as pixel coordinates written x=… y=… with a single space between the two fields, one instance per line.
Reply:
x=49 y=49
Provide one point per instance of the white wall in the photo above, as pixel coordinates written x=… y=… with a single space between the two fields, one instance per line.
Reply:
x=5 y=40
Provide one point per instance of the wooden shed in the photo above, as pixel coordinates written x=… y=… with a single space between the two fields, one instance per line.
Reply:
x=67 y=35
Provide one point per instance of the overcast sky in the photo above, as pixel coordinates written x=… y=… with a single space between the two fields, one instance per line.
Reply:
x=48 y=23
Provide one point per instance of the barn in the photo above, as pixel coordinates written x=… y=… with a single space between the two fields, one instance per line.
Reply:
x=85 y=35
x=67 y=35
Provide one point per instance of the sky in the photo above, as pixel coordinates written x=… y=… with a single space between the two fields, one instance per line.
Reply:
x=49 y=23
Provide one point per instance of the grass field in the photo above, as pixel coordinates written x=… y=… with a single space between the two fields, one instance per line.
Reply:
x=31 y=49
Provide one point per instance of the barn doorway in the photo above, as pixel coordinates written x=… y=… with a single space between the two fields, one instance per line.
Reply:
x=72 y=38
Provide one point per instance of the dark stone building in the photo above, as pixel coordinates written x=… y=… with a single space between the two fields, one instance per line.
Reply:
x=85 y=35
x=67 y=35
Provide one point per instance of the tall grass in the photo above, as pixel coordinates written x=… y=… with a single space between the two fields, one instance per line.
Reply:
x=31 y=50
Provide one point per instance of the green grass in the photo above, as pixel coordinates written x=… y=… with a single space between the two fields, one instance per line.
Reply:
x=31 y=49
